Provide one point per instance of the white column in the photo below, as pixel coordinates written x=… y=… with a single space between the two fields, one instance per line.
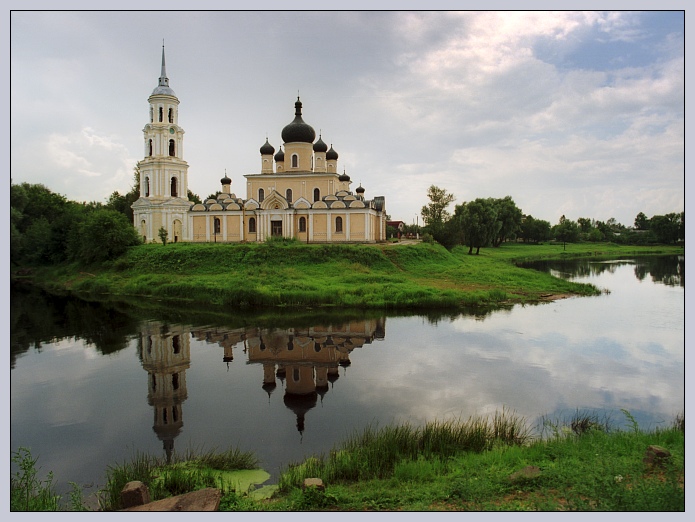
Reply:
x=329 y=226
x=311 y=226
x=207 y=228
x=224 y=227
x=347 y=226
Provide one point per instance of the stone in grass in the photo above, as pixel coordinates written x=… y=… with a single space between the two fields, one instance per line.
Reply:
x=527 y=473
x=134 y=493
x=313 y=483
x=656 y=456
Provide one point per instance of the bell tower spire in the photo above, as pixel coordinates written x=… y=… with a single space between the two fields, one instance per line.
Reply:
x=163 y=80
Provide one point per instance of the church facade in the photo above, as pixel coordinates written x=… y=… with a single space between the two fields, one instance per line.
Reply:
x=298 y=192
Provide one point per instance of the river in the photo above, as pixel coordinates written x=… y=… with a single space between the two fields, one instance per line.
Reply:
x=92 y=384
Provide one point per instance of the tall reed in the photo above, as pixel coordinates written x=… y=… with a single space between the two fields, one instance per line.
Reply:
x=375 y=452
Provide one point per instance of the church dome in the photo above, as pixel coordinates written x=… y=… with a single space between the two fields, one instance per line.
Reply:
x=331 y=154
x=267 y=148
x=298 y=130
x=280 y=156
x=320 y=146
x=360 y=189
x=343 y=177
x=226 y=180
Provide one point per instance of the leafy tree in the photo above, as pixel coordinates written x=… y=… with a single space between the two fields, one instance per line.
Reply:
x=566 y=231
x=509 y=218
x=585 y=225
x=123 y=203
x=36 y=239
x=192 y=196
x=105 y=234
x=667 y=229
x=595 y=235
x=535 y=230
x=641 y=222
x=435 y=213
x=163 y=235
x=479 y=223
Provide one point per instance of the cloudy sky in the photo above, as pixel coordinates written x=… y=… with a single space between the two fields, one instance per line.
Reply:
x=574 y=113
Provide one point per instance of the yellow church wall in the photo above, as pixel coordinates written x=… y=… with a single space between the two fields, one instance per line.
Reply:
x=233 y=231
x=199 y=228
x=357 y=227
x=319 y=231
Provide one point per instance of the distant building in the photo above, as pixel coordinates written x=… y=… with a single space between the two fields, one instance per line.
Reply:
x=298 y=192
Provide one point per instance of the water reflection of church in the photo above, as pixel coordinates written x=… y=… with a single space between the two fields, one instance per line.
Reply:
x=305 y=362
x=165 y=352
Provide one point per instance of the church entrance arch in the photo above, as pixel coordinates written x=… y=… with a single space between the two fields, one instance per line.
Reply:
x=276 y=228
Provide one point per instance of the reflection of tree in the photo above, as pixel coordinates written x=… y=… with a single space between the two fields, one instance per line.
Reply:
x=667 y=270
x=37 y=317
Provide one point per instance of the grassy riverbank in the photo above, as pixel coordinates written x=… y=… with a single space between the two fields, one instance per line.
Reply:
x=292 y=274
x=480 y=464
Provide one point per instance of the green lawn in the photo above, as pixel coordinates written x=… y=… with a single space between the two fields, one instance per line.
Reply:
x=291 y=274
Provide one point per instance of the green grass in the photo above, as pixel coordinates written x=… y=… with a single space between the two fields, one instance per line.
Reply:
x=192 y=470
x=292 y=275
x=584 y=466
x=582 y=463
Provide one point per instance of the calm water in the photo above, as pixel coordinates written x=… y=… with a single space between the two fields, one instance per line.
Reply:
x=91 y=385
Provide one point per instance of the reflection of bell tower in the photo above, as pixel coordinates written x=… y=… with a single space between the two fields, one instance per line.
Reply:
x=166 y=355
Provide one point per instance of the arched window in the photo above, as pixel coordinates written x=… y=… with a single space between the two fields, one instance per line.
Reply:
x=338 y=224
x=317 y=195
x=176 y=344
x=288 y=195
x=295 y=161
x=147 y=187
x=174 y=188
x=172 y=148
x=175 y=381
x=171 y=115
x=302 y=224
x=160 y=113
x=217 y=225
x=261 y=195
x=151 y=115
x=150 y=147
x=252 y=225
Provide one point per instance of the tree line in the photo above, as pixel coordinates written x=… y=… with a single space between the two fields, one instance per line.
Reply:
x=492 y=221
x=47 y=228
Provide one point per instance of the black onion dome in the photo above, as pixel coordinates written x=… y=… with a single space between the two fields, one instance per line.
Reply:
x=331 y=154
x=320 y=146
x=267 y=148
x=226 y=180
x=343 y=177
x=360 y=189
x=280 y=156
x=298 y=131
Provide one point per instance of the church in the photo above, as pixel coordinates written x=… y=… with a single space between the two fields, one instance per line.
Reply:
x=298 y=192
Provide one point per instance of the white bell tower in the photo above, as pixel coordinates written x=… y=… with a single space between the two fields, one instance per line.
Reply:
x=163 y=198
